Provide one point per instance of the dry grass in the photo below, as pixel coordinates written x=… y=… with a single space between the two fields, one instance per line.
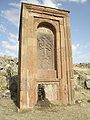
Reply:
x=80 y=111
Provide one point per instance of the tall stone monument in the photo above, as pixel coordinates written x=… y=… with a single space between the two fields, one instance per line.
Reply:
x=45 y=57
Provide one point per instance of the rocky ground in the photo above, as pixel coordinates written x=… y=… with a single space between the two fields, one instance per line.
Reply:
x=82 y=82
x=80 y=110
x=8 y=76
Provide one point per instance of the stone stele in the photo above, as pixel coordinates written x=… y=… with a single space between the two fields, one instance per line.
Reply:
x=45 y=56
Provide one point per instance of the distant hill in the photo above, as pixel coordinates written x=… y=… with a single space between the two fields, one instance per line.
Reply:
x=81 y=65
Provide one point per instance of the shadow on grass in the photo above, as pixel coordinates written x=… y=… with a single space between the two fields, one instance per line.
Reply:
x=13 y=85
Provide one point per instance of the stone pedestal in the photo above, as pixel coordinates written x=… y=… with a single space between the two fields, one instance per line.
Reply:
x=45 y=56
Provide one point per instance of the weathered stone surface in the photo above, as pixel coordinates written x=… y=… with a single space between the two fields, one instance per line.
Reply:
x=45 y=38
x=51 y=92
x=44 y=55
x=87 y=84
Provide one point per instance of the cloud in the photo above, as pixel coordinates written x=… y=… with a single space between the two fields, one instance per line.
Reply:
x=12 y=38
x=49 y=3
x=83 y=1
x=15 y=5
x=52 y=3
x=10 y=53
x=2 y=29
x=76 y=1
x=75 y=51
x=7 y=45
x=10 y=46
x=31 y=1
x=11 y=14
x=74 y=47
x=81 y=53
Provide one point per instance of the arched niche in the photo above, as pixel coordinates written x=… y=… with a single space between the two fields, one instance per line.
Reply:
x=46 y=46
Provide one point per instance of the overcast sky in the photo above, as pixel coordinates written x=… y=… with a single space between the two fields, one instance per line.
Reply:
x=79 y=22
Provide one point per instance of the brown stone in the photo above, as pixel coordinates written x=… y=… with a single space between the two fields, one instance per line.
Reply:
x=45 y=56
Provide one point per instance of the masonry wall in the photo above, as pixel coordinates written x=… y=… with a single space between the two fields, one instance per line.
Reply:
x=58 y=79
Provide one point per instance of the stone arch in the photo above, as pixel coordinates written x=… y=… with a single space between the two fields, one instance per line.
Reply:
x=48 y=25
x=46 y=41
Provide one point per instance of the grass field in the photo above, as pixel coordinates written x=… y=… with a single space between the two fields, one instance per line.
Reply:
x=79 y=111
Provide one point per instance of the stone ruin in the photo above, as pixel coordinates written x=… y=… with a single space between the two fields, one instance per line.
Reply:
x=45 y=56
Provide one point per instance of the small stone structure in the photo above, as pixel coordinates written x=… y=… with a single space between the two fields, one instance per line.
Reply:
x=45 y=57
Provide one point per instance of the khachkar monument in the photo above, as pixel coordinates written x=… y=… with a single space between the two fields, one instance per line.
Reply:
x=45 y=59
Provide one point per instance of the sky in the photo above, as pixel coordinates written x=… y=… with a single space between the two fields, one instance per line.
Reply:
x=79 y=26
